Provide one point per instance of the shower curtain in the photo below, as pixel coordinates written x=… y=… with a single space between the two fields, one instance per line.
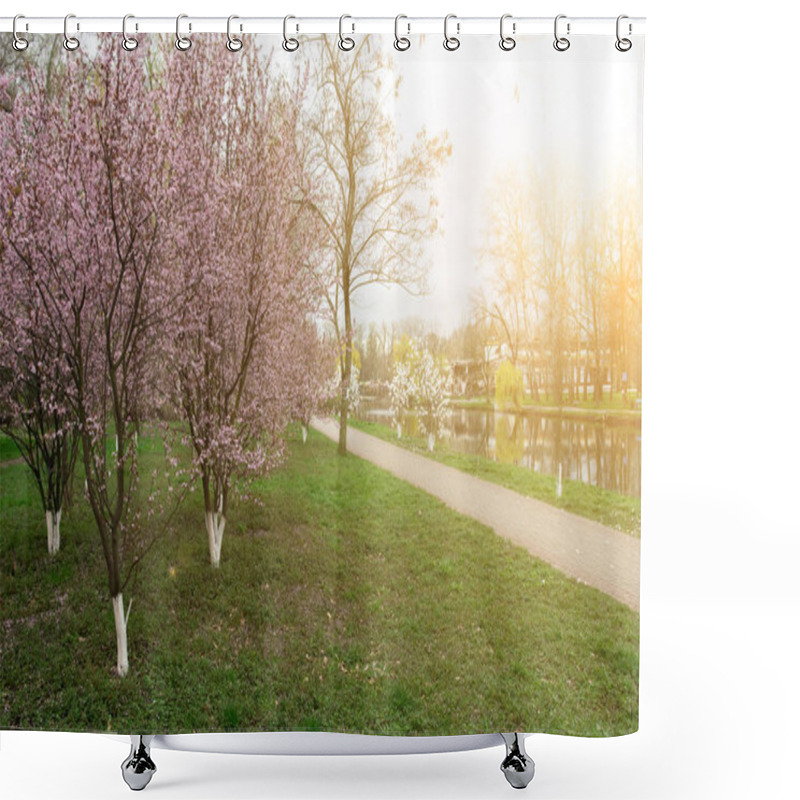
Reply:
x=321 y=384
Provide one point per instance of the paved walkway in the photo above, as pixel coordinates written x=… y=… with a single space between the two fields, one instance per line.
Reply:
x=593 y=553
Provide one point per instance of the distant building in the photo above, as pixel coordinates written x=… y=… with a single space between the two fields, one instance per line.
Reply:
x=467 y=378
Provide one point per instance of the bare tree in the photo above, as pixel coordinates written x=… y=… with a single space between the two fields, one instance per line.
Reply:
x=513 y=308
x=589 y=314
x=622 y=245
x=372 y=199
x=566 y=275
x=553 y=264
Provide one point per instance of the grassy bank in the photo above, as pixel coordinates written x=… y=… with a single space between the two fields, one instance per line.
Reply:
x=346 y=600
x=610 y=508
x=613 y=410
x=611 y=401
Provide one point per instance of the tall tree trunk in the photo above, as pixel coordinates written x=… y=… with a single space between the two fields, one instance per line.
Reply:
x=598 y=375
x=558 y=378
x=348 y=367
x=121 y=625
x=585 y=376
x=215 y=527
x=343 y=418
x=570 y=378
x=53 y=519
x=215 y=520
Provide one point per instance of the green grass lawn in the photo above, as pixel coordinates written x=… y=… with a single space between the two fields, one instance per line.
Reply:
x=347 y=600
x=611 y=508
x=8 y=449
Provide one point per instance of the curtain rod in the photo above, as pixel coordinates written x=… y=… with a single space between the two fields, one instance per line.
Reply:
x=462 y=26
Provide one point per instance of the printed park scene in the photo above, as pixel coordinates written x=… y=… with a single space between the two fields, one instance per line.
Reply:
x=320 y=407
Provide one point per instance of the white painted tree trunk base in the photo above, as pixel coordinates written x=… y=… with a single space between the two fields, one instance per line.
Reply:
x=399 y=431
x=431 y=442
x=121 y=625
x=215 y=527
x=53 y=519
x=305 y=433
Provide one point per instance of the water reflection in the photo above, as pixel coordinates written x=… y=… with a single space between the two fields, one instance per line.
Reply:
x=594 y=452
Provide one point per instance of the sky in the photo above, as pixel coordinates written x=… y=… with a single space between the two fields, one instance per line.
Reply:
x=503 y=110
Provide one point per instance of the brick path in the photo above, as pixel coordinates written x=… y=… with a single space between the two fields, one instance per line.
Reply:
x=581 y=548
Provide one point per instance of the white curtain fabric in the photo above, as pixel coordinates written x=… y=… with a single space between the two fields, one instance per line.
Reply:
x=362 y=329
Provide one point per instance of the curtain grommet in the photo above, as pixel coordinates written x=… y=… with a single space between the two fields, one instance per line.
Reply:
x=561 y=43
x=182 y=43
x=234 y=43
x=507 y=43
x=70 y=43
x=129 y=43
x=451 y=43
x=623 y=44
x=19 y=43
x=289 y=43
x=346 y=43
x=401 y=43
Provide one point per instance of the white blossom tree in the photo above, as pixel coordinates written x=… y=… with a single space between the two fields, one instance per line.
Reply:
x=353 y=391
x=430 y=386
x=418 y=383
x=401 y=392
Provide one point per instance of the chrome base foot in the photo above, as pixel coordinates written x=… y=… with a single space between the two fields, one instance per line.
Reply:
x=517 y=766
x=138 y=768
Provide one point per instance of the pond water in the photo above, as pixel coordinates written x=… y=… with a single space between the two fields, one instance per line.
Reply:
x=604 y=454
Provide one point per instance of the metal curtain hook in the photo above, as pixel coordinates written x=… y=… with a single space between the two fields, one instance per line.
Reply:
x=623 y=45
x=19 y=43
x=181 y=41
x=290 y=44
x=70 y=42
x=507 y=42
x=561 y=43
x=345 y=42
x=451 y=42
x=401 y=43
x=128 y=42
x=234 y=43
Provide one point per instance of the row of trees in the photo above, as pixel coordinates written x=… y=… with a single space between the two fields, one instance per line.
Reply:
x=155 y=249
x=566 y=282
x=562 y=297
x=174 y=228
